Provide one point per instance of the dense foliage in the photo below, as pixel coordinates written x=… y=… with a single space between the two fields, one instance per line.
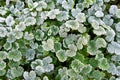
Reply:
x=59 y=40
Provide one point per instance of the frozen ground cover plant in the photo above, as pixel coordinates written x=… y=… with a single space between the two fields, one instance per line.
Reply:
x=59 y=40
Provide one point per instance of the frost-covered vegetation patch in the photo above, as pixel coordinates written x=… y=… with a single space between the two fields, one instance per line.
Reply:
x=59 y=40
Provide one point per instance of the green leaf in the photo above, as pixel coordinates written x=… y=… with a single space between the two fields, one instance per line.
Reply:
x=61 y=55
x=14 y=55
x=3 y=55
x=2 y=65
x=103 y=64
x=100 y=42
x=97 y=75
x=77 y=65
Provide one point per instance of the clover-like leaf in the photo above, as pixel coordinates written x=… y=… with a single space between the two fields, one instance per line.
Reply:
x=30 y=21
x=77 y=65
x=103 y=64
x=3 y=55
x=110 y=35
x=100 y=42
x=63 y=15
x=14 y=55
x=80 y=17
x=73 y=24
x=48 y=45
x=41 y=5
x=29 y=75
x=20 y=27
x=30 y=54
x=114 y=47
x=3 y=32
x=100 y=31
x=28 y=36
x=99 y=14
x=61 y=55
x=10 y=21
x=2 y=65
x=7 y=46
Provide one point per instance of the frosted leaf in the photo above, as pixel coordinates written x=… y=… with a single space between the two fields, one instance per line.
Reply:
x=30 y=21
x=112 y=69
x=95 y=24
x=115 y=58
x=100 y=42
x=47 y=60
x=80 y=17
x=11 y=38
x=68 y=4
x=3 y=32
x=114 y=47
x=103 y=64
x=3 y=11
x=79 y=43
x=48 y=45
x=7 y=46
x=113 y=9
x=28 y=36
x=117 y=27
x=35 y=63
x=49 y=67
x=33 y=45
x=14 y=55
x=18 y=34
x=75 y=12
x=41 y=5
x=72 y=47
x=39 y=70
x=108 y=20
x=29 y=75
x=30 y=4
x=92 y=48
x=20 y=27
x=39 y=20
x=44 y=15
x=99 y=14
x=73 y=24
x=30 y=54
x=61 y=55
x=77 y=65
x=80 y=6
x=63 y=15
x=39 y=35
x=70 y=53
x=110 y=35
x=118 y=13
x=3 y=55
x=82 y=28
x=20 y=5
x=10 y=21
x=53 y=13
x=87 y=69
x=2 y=19
x=16 y=71
x=41 y=67
x=2 y=65
x=100 y=31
